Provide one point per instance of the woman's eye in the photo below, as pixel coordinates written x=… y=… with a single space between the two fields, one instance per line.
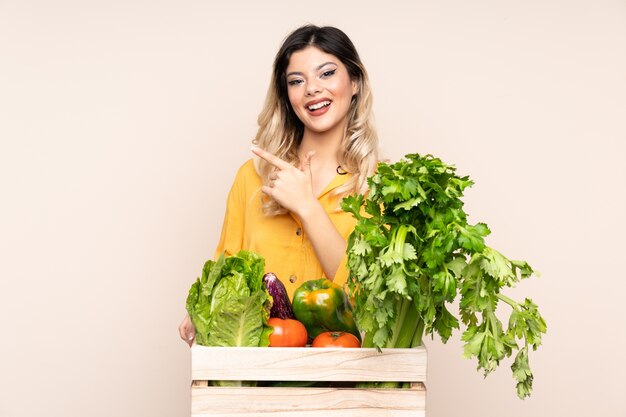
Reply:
x=294 y=82
x=328 y=73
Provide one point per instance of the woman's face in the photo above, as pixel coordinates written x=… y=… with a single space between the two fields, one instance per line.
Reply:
x=320 y=89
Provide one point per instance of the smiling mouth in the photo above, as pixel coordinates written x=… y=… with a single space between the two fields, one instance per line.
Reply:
x=319 y=105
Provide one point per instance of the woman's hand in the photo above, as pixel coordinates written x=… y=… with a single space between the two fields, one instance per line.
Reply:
x=291 y=187
x=187 y=331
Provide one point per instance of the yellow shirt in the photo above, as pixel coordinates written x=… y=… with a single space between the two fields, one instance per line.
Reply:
x=281 y=239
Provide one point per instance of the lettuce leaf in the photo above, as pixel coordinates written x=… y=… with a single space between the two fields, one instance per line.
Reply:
x=228 y=304
x=239 y=322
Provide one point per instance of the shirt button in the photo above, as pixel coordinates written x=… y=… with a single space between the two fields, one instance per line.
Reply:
x=299 y=231
x=293 y=279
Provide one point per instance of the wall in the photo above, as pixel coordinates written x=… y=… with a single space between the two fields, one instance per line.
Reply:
x=122 y=124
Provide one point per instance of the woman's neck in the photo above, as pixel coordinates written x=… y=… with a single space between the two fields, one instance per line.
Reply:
x=324 y=163
x=326 y=146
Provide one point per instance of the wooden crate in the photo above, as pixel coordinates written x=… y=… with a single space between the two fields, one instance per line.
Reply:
x=307 y=364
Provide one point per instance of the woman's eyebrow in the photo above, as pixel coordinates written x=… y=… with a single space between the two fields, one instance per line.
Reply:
x=319 y=67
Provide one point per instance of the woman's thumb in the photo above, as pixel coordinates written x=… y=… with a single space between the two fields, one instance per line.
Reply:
x=306 y=164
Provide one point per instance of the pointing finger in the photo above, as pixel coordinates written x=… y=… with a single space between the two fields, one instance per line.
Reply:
x=272 y=159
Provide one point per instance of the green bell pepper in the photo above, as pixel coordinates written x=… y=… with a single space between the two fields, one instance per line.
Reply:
x=323 y=306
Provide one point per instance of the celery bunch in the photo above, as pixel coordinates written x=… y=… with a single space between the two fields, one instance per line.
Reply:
x=413 y=252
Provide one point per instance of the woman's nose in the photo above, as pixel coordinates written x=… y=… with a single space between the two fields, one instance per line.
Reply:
x=312 y=88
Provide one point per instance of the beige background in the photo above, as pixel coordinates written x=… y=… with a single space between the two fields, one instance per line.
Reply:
x=123 y=122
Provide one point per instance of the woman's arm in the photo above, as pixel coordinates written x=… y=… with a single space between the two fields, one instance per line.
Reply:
x=293 y=189
x=328 y=244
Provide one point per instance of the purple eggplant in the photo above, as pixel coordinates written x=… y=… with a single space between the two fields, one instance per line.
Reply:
x=281 y=307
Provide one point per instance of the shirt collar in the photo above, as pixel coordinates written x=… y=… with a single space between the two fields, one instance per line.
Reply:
x=339 y=180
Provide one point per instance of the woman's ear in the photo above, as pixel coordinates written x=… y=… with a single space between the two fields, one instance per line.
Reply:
x=355 y=87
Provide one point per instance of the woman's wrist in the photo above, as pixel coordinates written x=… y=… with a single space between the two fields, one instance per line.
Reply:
x=308 y=210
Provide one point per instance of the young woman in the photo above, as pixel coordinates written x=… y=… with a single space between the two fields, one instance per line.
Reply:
x=316 y=143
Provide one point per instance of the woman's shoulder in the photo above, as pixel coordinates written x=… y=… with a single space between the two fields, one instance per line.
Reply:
x=247 y=170
x=247 y=176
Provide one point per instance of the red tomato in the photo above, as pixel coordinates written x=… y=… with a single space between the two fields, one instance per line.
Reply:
x=287 y=333
x=336 y=339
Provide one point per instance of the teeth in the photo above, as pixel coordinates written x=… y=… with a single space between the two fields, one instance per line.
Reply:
x=319 y=105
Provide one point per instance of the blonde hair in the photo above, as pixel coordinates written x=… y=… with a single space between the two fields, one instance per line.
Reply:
x=280 y=131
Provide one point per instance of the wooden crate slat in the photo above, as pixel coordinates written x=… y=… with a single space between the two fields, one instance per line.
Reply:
x=307 y=402
x=318 y=364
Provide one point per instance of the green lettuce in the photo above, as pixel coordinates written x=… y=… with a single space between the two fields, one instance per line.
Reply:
x=239 y=322
x=228 y=305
